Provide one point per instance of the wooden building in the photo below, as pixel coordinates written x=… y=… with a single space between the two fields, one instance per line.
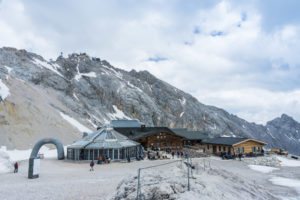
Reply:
x=162 y=137
x=153 y=137
x=232 y=145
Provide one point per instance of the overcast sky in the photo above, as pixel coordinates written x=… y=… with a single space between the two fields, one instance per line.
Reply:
x=243 y=56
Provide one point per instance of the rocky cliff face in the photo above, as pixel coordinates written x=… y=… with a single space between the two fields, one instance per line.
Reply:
x=91 y=92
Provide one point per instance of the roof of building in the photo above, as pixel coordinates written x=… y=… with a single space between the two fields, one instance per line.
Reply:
x=137 y=133
x=125 y=123
x=228 y=140
x=191 y=135
x=105 y=137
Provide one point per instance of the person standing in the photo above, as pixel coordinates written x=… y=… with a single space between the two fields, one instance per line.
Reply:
x=240 y=157
x=178 y=153
x=100 y=160
x=92 y=165
x=16 y=166
x=173 y=154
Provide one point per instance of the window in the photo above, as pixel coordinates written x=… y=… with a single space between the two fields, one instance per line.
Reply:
x=257 y=149
x=253 y=149
x=237 y=150
x=208 y=146
x=219 y=148
x=224 y=148
x=242 y=149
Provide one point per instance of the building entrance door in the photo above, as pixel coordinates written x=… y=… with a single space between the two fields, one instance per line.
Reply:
x=214 y=149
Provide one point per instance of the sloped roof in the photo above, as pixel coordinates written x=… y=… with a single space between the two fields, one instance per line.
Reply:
x=191 y=135
x=224 y=140
x=136 y=133
x=125 y=123
x=105 y=137
x=230 y=140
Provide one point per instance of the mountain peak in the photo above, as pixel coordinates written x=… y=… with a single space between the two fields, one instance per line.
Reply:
x=286 y=117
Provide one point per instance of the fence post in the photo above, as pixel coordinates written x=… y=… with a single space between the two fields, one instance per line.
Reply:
x=188 y=175
x=139 y=186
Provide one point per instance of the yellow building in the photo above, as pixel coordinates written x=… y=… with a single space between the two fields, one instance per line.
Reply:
x=232 y=145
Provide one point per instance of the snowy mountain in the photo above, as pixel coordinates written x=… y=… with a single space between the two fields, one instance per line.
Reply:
x=65 y=97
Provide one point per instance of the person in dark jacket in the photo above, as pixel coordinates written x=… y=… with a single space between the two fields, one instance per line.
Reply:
x=16 y=166
x=92 y=165
x=173 y=153
x=240 y=156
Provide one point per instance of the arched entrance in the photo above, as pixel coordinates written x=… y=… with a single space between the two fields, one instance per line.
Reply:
x=56 y=142
x=35 y=151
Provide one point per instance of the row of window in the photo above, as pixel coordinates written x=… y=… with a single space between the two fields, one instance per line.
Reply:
x=220 y=148
x=241 y=150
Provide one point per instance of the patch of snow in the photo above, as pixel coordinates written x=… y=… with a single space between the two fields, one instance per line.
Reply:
x=262 y=169
x=5 y=164
x=75 y=123
x=75 y=96
x=9 y=69
x=226 y=135
x=215 y=127
x=46 y=65
x=119 y=114
x=287 y=182
x=4 y=90
x=181 y=114
x=117 y=74
x=244 y=126
x=94 y=125
x=90 y=74
x=133 y=86
x=182 y=101
x=288 y=162
x=79 y=75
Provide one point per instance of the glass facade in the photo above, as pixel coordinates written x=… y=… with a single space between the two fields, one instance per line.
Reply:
x=105 y=142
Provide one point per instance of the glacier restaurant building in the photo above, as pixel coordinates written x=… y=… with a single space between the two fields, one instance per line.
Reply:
x=105 y=142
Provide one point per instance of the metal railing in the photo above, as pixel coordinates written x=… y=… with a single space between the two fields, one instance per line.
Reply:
x=187 y=162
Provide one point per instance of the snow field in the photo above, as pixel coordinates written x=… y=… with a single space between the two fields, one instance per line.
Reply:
x=75 y=123
x=288 y=162
x=4 y=90
x=262 y=169
x=286 y=182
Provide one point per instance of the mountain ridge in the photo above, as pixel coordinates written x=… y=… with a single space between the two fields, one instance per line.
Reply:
x=94 y=92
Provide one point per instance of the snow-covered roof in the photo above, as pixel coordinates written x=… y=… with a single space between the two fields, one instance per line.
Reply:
x=105 y=137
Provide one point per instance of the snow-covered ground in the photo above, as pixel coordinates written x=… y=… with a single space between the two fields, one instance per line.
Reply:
x=212 y=178
x=4 y=90
x=262 y=169
x=9 y=157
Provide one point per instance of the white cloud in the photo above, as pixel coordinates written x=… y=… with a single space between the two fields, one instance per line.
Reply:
x=220 y=53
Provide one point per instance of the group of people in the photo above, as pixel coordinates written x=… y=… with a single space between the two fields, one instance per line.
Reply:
x=179 y=154
x=104 y=160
